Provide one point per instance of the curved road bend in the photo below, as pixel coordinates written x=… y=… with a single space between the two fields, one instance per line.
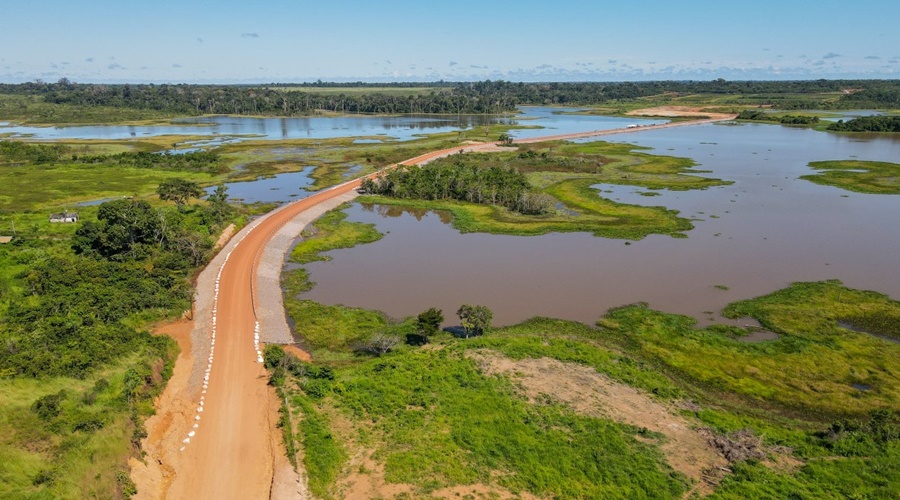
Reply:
x=230 y=453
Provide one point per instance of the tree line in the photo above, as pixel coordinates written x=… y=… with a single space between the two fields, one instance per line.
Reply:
x=459 y=98
x=192 y=161
x=868 y=124
x=462 y=180
x=758 y=115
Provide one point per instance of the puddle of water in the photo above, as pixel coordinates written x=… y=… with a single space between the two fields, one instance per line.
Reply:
x=759 y=336
x=854 y=328
x=96 y=202
x=351 y=171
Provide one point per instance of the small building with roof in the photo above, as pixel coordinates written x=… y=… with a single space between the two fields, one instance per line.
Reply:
x=64 y=217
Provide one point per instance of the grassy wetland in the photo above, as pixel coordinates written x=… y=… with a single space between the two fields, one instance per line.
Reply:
x=464 y=415
x=870 y=177
x=566 y=173
x=812 y=412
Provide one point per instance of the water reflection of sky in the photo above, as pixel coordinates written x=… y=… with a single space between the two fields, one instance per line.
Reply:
x=279 y=188
x=225 y=129
x=557 y=121
x=757 y=235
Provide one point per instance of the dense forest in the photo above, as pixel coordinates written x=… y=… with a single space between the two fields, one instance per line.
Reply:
x=759 y=115
x=868 y=124
x=462 y=181
x=473 y=97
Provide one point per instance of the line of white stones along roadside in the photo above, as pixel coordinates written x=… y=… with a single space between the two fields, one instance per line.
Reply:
x=212 y=343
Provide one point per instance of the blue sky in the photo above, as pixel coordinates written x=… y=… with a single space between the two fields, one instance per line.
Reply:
x=227 y=41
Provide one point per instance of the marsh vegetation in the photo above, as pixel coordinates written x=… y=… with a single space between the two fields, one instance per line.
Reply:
x=782 y=421
x=871 y=177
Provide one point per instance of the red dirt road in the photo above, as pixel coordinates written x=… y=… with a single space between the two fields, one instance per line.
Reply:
x=232 y=447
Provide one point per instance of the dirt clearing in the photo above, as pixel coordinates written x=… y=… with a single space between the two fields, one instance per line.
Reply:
x=687 y=449
x=680 y=112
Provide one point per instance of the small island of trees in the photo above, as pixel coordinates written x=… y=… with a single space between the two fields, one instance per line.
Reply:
x=462 y=181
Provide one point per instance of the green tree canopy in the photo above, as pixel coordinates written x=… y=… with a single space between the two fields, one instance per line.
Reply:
x=179 y=191
x=219 y=209
x=475 y=320
x=429 y=321
x=122 y=225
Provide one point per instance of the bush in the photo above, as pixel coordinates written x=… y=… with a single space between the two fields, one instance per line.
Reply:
x=378 y=344
x=48 y=407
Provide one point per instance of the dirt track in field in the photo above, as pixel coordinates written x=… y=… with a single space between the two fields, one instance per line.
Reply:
x=214 y=434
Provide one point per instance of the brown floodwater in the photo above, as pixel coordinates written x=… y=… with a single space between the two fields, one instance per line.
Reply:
x=758 y=235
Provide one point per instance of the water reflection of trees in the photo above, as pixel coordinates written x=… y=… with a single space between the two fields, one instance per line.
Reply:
x=394 y=211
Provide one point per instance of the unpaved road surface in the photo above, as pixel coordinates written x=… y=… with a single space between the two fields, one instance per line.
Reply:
x=225 y=444
x=214 y=435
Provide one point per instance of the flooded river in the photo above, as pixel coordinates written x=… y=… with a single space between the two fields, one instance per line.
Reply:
x=766 y=230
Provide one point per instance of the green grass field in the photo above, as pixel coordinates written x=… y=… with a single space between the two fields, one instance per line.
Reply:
x=63 y=185
x=82 y=449
x=432 y=420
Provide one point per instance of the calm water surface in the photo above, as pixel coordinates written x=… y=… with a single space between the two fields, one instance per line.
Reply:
x=755 y=236
x=225 y=129
x=766 y=230
x=280 y=188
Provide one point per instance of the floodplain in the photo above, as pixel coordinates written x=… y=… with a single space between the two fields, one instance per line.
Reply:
x=714 y=225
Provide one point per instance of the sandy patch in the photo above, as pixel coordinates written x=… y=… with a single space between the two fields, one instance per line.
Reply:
x=297 y=351
x=154 y=475
x=680 y=112
x=582 y=388
x=363 y=476
x=226 y=235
